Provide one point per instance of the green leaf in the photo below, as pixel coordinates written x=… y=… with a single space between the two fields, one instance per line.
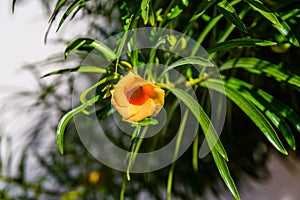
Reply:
x=145 y=7
x=193 y=60
x=124 y=11
x=65 y=120
x=240 y=42
x=264 y=10
x=285 y=30
x=89 y=44
x=276 y=20
x=202 y=10
x=175 y=12
x=258 y=66
x=229 y=12
x=100 y=82
x=204 y=121
x=185 y=2
x=225 y=174
x=80 y=3
x=146 y=122
x=59 y=5
x=282 y=109
x=251 y=93
x=208 y=28
x=88 y=69
x=249 y=109
x=13 y=6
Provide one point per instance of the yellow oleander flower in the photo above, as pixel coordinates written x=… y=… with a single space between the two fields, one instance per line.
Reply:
x=136 y=99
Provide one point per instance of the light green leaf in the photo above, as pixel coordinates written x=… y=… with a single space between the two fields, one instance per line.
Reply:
x=185 y=2
x=251 y=93
x=204 y=121
x=88 y=45
x=145 y=7
x=65 y=120
x=240 y=42
x=87 y=69
x=229 y=12
x=258 y=66
x=175 y=12
x=225 y=174
x=193 y=60
x=249 y=109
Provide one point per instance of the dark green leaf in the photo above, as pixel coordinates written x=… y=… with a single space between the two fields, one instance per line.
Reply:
x=13 y=6
x=251 y=93
x=202 y=10
x=264 y=10
x=285 y=30
x=229 y=12
x=276 y=20
x=225 y=174
x=80 y=3
x=249 y=109
x=259 y=66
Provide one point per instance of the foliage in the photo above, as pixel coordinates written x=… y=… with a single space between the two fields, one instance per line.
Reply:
x=257 y=72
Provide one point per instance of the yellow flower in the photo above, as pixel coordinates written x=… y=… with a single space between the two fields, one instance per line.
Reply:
x=136 y=99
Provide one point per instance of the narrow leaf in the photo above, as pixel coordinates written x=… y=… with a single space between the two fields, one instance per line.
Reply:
x=175 y=12
x=65 y=120
x=264 y=10
x=225 y=174
x=229 y=12
x=204 y=121
x=13 y=6
x=69 y=10
x=285 y=30
x=145 y=10
x=250 y=110
x=146 y=122
x=202 y=10
x=59 y=5
x=258 y=66
x=193 y=60
x=185 y=2
x=251 y=93
x=276 y=20
x=89 y=44
x=240 y=42
x=88 y=69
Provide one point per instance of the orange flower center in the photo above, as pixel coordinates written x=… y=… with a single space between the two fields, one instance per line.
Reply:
x=140 y=94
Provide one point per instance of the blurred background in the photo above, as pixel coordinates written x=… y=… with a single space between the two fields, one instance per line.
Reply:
x=31 y=166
